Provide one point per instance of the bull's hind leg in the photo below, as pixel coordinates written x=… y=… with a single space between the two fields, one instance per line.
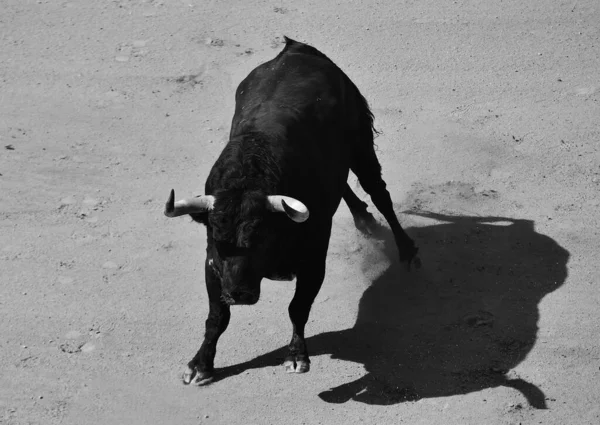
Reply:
x=363 y=219
x=368 y=170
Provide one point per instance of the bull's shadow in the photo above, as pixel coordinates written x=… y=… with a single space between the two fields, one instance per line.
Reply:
x=457 y=325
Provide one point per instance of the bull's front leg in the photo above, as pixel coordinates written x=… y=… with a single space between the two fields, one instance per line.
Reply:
x=308 y=285
x=200 y=370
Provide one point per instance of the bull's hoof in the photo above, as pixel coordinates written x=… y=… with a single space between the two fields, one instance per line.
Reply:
x=417 y=262
x=191 y=376
x=296 y=365
x=366 y=223
x=410 y=257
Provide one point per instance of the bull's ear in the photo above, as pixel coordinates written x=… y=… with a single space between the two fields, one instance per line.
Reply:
x=292 y=207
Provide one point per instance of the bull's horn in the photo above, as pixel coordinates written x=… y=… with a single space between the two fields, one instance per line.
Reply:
x=294 y=209
x=195 y=205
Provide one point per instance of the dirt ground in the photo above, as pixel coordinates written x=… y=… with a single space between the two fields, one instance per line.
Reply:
x=490 y=139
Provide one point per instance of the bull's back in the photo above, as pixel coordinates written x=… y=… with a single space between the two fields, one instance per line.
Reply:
x=309 y=110
x=300 y=90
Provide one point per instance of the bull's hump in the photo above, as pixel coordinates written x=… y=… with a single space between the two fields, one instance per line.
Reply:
x=293 y=46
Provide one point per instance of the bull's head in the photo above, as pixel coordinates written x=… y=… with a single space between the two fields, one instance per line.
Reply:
x=294 y=209
x=239 y=245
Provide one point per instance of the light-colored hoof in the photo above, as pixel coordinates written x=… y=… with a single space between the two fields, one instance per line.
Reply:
x=300 y=366
x=192 y=377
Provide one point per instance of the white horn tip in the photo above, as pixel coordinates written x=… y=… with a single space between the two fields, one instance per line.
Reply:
x=297 y=211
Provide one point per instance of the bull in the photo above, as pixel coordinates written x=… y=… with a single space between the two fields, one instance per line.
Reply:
x=300 y=125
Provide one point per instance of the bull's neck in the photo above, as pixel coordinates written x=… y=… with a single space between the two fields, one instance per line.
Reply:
x=255 y=162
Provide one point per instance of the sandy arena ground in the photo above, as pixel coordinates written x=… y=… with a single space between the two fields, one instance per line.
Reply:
x=490 y=120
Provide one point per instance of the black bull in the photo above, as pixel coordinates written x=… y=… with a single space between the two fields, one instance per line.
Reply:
x=300 y=126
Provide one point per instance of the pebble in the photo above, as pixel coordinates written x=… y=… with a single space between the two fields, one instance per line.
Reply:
x=122 y=58
x=139 y=43
x=73 y=335
x=215 y=42
x=91 y=202
x=93 y=219
x=88 y=347
x=586 y=91
x=65 y=280
x=69 y=200
x=354 y=248
x=110 y=265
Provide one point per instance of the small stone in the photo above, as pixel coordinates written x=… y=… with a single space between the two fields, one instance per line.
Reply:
x=93 y=219
x=88 y=347
x=65 y=280
x=139 y=43
x=69 y=200
x=355 y=247
x=110 y=265
x=217 y=42
x=91 y=202
x=122 y=58
x=73 y=335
